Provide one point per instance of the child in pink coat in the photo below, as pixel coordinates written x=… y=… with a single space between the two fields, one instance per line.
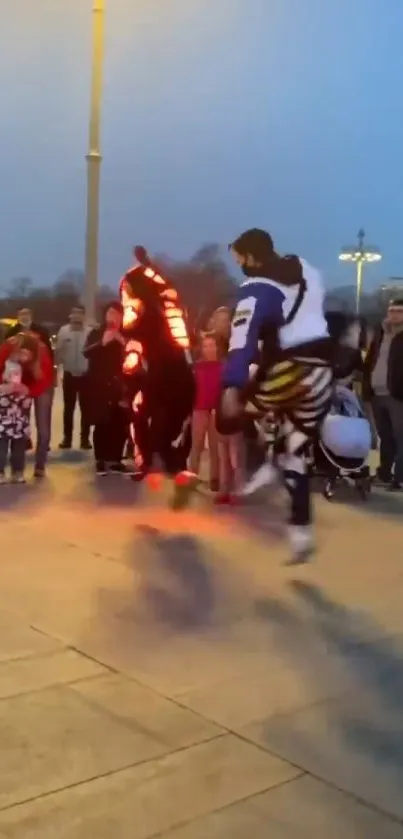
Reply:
x=226 y=459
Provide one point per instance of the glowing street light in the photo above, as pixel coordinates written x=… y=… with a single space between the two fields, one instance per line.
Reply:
x=360 y=254
x=94 y=160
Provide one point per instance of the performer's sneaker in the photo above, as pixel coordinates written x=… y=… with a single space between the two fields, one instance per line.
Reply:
x=137 y=476
x=185 y=483
x=266 y=475
x=118 y=469
x=302 y=545
x=154 y=481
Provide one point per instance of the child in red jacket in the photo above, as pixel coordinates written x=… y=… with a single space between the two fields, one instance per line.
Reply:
x=26 y=371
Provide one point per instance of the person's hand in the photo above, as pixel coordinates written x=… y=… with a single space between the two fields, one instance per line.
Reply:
x=107 y=337
x=20 y=388
x=230 y=403
x=112 y=335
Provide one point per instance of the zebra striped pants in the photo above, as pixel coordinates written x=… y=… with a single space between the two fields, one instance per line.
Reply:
x=288 y=405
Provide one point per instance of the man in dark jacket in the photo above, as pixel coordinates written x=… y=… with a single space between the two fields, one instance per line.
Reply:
x=43 y=403
x=383 y=388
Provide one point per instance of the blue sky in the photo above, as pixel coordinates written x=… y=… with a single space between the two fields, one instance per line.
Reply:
x=218 y=115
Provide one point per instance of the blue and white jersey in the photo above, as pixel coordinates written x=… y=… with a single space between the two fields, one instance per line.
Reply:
x=263 y=301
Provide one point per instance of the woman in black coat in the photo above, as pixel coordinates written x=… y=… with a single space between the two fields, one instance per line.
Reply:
x=107 y=410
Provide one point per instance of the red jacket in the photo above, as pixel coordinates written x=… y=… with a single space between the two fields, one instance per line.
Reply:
x=35 y=386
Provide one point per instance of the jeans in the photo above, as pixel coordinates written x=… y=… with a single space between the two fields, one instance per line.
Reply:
x=388 y=416
x=43 y=419
x=17 y=448
x=75 y=387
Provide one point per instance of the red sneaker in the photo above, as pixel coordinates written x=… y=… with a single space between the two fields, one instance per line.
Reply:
x=185 y=483
x=154 y=481
x=234 y=500
x=222 y=498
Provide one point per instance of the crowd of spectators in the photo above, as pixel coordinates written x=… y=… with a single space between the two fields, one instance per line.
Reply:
x=89 y=363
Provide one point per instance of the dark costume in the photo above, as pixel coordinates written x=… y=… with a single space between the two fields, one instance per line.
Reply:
x=157 y=367
x=106 y=395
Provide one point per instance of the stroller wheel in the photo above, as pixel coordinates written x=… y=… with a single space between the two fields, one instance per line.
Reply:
x=328 y=490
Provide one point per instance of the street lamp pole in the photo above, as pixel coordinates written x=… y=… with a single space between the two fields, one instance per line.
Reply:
x=360 y=254
x=94 y=160
x=360 y=271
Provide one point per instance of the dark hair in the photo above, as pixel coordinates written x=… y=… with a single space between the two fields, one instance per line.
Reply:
x=140 y=253
x=398 y=302
x=256 y=242
x=115 y=305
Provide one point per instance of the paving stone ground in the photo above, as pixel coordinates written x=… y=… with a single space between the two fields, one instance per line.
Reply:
x=163 y=675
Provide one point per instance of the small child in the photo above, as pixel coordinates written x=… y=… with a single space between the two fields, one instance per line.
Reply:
x=20 y=377
x=207 y=371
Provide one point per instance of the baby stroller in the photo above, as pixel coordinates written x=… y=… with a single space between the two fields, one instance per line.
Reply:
x=344 y=443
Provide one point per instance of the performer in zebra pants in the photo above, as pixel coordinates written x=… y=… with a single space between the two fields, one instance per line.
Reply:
x=281 y=304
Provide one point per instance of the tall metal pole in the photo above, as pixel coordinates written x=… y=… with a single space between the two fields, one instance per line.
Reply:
x=94 y=160
x=360 y=269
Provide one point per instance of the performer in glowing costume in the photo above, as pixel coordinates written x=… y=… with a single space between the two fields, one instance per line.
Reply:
x=158 y=368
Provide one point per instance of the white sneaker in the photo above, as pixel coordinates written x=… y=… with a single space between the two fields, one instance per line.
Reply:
x=266 y=475
x=302 y=544
x=18 y=478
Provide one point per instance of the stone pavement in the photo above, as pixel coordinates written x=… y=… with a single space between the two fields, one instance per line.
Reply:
x=161 y=674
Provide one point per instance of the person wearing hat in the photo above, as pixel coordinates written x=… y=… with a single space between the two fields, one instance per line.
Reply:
x=383 y=389
x=280 y=308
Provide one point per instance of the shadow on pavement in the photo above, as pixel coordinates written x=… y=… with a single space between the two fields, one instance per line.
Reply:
x=29 y=495
x=106 y=491
x=379 y=502
x=267 y=517
x=176 y=585
x=369 y=717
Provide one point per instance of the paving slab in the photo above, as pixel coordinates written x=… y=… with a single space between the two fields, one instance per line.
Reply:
x=54 y=738
x=301 y=809
x=146 y=711
x=149 y=799
x=39 y=672
x=201 y=629
x=18 y=640
x=354 y=743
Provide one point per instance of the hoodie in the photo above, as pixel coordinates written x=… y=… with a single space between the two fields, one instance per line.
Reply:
x=284 y=307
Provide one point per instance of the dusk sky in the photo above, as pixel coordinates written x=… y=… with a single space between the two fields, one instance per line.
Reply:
x=218 y=115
